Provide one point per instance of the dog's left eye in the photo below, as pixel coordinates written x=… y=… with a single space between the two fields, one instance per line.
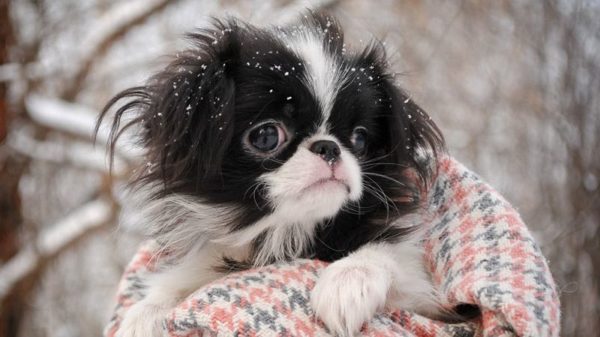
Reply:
x=267 y=137
x=359 y=139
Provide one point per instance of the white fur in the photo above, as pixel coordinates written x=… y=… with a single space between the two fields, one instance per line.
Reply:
x=288 y=183
x=350 y=291
x=145 y=319
x=353 y=174
x=166 y=288
x=178 y=222
x=324 y=76
x=283 y=240
x=297 y=211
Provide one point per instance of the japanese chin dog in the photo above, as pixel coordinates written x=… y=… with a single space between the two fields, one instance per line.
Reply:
x=270 y=144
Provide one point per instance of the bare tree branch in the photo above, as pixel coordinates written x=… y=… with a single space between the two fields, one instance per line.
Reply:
x=74 y=119
x=119 y=21
x=71 y=152
x=58 y=238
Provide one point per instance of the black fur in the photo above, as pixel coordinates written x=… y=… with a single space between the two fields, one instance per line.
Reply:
x=194 y=114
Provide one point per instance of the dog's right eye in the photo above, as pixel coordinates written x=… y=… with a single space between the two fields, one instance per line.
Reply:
x=267 y=138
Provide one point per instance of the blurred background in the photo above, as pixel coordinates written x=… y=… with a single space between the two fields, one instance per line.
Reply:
x=514 y=85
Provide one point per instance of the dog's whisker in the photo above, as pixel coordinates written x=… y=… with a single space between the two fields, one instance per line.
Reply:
x=387 y=200
x=384 y=177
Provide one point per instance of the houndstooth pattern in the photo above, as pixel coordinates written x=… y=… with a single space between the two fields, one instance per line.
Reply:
x=477 y=249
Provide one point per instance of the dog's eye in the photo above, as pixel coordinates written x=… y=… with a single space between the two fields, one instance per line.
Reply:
x=359 y=139
x=267 y=137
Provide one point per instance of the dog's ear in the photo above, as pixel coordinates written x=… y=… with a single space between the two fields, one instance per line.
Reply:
x=415 y=141
x=186 y=112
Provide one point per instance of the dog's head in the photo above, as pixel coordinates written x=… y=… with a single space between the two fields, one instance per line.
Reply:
x=281 y=123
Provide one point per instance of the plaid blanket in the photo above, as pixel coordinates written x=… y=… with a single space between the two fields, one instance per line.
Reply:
x=477 y=249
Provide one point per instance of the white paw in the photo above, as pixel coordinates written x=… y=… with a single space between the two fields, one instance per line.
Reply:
x=143 y=320
x=348 y=293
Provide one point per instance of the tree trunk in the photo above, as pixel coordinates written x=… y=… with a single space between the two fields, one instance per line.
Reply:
x=11 y=169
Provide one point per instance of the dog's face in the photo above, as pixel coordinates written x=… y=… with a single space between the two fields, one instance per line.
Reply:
x=283 y=123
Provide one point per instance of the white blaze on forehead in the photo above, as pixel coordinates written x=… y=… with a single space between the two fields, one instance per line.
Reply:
x=324 y=75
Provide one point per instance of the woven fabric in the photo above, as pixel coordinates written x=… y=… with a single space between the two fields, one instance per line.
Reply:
x=477 y=249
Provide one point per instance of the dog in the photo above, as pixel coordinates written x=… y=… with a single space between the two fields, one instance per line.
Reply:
x=269 y=144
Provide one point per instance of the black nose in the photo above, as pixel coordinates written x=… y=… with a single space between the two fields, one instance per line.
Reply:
x=326 y=149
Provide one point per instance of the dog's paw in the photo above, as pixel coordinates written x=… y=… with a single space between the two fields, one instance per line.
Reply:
x=348 y=293
x=143 y=320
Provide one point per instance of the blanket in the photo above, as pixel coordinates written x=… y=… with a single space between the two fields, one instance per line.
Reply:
x=477 y=249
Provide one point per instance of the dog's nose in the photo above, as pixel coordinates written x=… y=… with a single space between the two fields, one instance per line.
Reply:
x=326 y=149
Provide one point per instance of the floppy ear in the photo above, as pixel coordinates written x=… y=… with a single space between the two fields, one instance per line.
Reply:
x=415 y=138
x=186 y=112
x=414 y=141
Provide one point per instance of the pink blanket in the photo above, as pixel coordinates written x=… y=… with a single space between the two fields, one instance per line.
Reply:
x=477 y=249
